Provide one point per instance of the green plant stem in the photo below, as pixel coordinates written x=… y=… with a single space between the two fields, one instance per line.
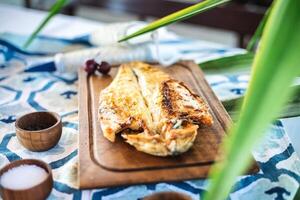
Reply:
x=177 y=16
x=275 y=66
x=258 y=33
x=57 y=6
x=229 y=64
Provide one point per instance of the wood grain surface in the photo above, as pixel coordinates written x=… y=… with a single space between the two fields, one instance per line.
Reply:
x=103 y=163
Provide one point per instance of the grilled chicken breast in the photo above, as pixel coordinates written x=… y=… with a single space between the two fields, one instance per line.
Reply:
x=122 y=106
x=170 y=117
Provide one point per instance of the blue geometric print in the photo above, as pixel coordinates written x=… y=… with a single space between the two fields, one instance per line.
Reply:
x=9 y=119
x=238 y=91
x=269 y=170
x=63 y=161
x=29 y=79
x=34 y=103
x=279 y=191
x=17 y=94
x=21 y=92
x=68 y=94
x=11 y=156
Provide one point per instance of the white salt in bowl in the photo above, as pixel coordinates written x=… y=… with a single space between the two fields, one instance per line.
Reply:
x=26 y=179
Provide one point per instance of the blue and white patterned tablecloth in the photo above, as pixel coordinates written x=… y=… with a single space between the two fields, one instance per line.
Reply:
x=21 y=92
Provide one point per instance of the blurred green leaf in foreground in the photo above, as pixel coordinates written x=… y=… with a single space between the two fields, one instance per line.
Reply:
x=275 y=66
x=57 y=6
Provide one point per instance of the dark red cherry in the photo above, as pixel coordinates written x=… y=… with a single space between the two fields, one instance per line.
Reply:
x=104 y=67
x=90 y=66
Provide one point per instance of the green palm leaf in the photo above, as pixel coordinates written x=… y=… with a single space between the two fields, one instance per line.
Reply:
x=258 y=33
x=57 y=6
x=242 y=63
x=229 y=64
x=275 y=65
x=291 y=109
x=177 y=16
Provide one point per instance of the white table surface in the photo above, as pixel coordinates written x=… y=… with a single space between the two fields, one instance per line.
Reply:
x=24 y=21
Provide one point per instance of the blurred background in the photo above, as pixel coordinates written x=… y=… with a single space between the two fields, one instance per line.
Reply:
x=231 y=24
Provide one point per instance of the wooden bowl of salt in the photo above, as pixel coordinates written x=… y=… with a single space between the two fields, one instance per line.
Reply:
x=39 y=131
x=167 y=196
x=26 y=179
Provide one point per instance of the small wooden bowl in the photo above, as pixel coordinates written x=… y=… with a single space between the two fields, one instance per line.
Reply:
x=37 y=192
x=167 y=196
x=39 y=131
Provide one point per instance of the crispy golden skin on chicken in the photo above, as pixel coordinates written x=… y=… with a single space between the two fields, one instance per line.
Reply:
x=175 y=112
x=122 y=106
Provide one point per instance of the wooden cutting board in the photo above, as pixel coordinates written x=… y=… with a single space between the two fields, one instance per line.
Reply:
x=105 y=164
